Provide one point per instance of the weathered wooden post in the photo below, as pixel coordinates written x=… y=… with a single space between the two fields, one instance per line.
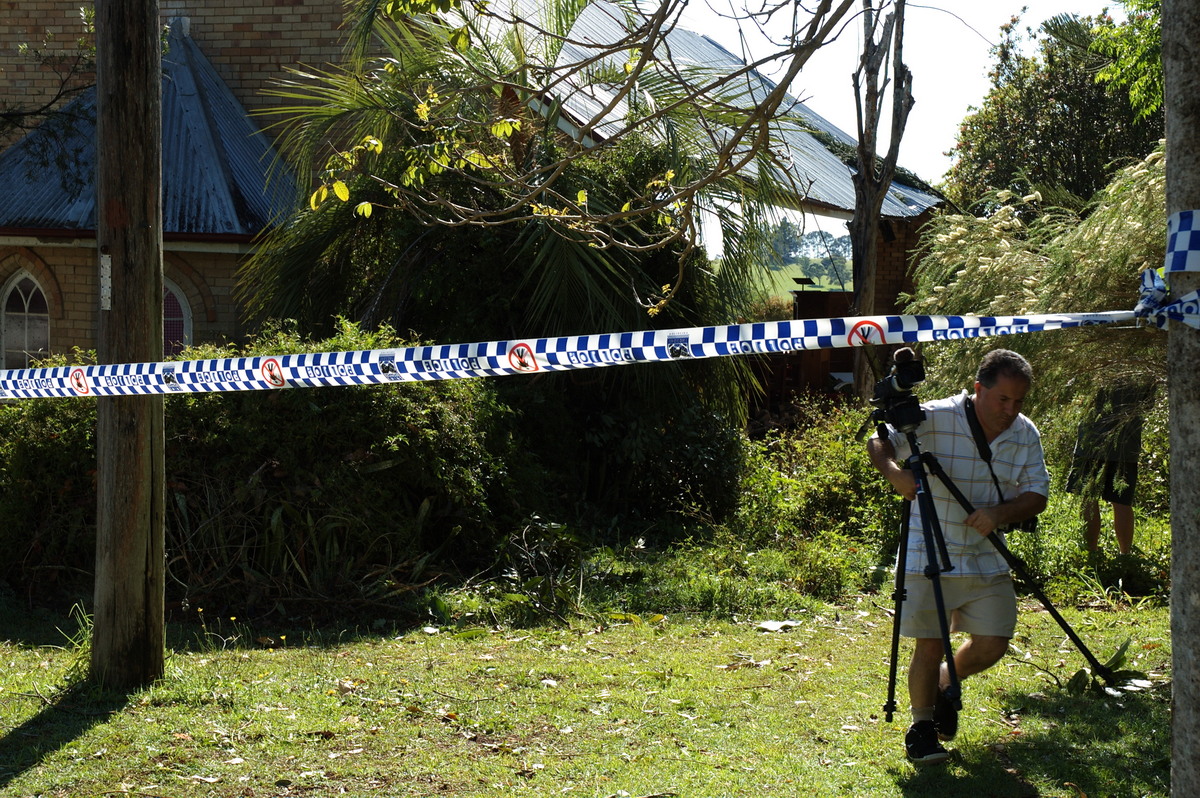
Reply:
x=128 y=639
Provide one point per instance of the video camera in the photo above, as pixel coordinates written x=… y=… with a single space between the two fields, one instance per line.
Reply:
x=894 y=401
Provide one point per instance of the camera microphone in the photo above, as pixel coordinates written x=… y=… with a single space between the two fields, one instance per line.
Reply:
x=904 y=355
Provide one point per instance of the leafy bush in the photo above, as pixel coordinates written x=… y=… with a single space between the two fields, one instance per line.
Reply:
x=329 y=493
x=673 y=459
x=47 y=490
x=724 y=578
x=812 y=520
x=815 y=481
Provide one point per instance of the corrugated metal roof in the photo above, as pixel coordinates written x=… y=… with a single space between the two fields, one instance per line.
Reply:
x=216 y=163
x=826 y=177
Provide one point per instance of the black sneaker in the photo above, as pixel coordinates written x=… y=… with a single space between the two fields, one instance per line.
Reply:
x=945 y=717
x=922 y=746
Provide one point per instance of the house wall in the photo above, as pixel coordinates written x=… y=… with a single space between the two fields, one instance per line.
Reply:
x=250 y=43
x=67 y=277
x=893 y=261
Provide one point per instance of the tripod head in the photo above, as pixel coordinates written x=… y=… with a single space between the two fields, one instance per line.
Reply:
x=894 y=401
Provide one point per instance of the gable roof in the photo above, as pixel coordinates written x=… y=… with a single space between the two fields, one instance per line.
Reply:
x=221 y=179
x=814 y=146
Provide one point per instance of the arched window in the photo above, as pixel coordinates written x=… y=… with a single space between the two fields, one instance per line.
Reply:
x=25 y=328
x=177 y=319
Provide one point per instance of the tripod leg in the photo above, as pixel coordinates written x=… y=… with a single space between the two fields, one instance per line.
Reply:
x=898 y=596
x=934 y=542
x=1019 y=568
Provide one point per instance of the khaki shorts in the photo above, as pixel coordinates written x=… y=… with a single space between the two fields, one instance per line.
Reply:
x=978 y=605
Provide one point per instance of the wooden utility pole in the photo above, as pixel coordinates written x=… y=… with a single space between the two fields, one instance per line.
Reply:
x=1181 y=72
x=128 y=639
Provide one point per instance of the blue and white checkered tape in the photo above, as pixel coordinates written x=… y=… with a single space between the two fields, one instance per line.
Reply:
x=1183 y=242
x=500 y=358
x=1158 y=305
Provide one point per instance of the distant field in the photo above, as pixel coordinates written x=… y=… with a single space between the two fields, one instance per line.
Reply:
x=782 y=282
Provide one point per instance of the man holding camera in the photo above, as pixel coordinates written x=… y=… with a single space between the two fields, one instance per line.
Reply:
x=1008 y=487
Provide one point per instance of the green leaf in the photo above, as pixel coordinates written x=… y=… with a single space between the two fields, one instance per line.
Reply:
x=363 y=209
x=1078 y=684
x=477 y=159
x=341 y=190
x=317 y=197
x=460 y=39
x=1118 y=659
x=440 y=609
x=472 y=633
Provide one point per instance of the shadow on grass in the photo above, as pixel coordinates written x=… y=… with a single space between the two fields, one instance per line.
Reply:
x=1107 y=745
x=33 y=626
x=64 y=719
x=976 y=775
x=1063 y=745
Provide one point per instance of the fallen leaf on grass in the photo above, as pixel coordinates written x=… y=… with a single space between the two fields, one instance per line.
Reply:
x=744 y=661
x=776 y=626
x=346 y=686
x=351 y=752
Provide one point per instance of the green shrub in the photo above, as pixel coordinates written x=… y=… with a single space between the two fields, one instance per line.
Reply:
x=724 y=578
x=306 y=495
x=812 y=519
x=817 y=481
x=47 y=490
x=681 y=460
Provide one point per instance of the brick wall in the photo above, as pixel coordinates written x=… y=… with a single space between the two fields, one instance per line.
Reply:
x=250 y=43
x=67 y=277
x=893 y=261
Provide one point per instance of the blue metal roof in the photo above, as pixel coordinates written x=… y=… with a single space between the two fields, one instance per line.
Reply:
x=219 y=172
x=826 y=178
x=218 y=175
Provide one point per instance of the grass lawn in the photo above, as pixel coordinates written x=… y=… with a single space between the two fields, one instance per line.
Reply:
x=685 y=707
x=782 y=283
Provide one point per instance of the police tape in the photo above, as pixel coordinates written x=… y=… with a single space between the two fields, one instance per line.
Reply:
x=1183 y=242
x=501 y=358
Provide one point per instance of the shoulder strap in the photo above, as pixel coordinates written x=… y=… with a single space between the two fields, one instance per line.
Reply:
x=981 y=442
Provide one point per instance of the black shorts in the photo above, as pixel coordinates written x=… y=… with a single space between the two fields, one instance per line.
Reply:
x=1118 y=481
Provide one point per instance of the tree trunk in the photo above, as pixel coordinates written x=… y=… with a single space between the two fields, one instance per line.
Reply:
x=873 y=179
x=1181 y=70
x=128 y=634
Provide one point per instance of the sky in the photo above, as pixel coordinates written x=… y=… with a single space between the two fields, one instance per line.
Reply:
x=946 y=46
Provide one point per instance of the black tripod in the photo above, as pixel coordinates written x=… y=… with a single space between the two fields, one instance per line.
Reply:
x=935 y=546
